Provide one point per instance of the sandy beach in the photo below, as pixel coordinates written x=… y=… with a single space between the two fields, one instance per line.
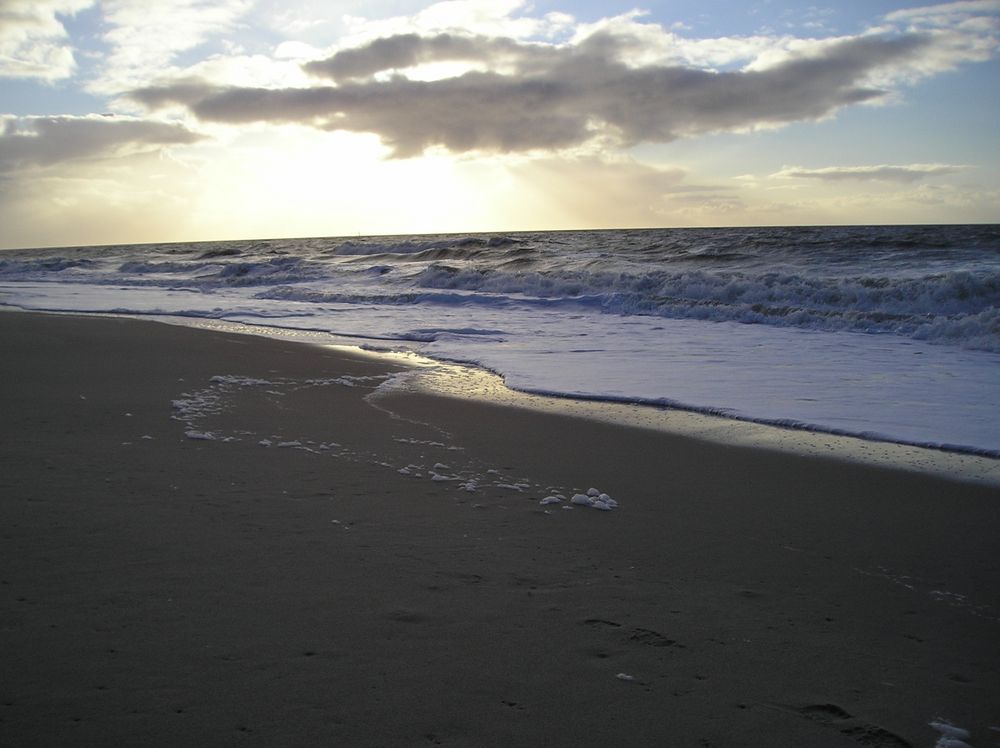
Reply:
x=214 y=539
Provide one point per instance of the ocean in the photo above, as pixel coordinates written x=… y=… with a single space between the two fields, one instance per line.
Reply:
x=885 y=332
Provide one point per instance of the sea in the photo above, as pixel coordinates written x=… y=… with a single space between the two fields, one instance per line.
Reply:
x=887 y=333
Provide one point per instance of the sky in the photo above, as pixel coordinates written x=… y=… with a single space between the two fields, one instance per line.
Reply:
x=135 y=121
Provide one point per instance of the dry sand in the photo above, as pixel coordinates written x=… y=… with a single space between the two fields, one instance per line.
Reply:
x=157 y=589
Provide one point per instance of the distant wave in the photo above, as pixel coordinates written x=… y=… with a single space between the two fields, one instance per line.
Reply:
x=138 y=267
x=416 y=247
x=17 y=267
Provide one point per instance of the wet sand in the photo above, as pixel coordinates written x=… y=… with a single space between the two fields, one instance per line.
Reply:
x=160 y=588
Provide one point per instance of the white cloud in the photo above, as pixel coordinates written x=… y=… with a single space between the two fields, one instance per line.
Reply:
x=961 y=32
x=298 y=20
x=243 y=70
x=33 y=40
x=497 y=18
x=880 y=173
x=295 y=50
x=147 y=35
x=944 y=13
x=651 y=44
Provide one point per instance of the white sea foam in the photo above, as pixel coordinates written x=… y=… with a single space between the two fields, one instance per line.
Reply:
x=951 y=736
x=238 y=381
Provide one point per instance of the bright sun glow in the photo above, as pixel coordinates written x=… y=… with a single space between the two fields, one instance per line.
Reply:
x=335 y=183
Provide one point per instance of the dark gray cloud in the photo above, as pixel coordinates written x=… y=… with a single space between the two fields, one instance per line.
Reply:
x=548 y=98
x=409 y=50
x=883 y=173
x=43 y=141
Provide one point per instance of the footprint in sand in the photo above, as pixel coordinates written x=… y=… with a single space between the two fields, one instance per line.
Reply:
x=863 y=732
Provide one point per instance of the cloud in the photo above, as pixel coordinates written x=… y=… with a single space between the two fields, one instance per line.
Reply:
x=43 y=141
x=33 y=41
x=881 y=173
x=945 y=13
x=651 y=44
x=494 y=18
x=409 y=50
x=556 y=97
x=963 y=31
x=145 y=36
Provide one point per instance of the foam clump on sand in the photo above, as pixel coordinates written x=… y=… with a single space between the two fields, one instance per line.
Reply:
x=550 y=500
x=208 y=436
x=346 y=380
x=424 y=442
x=595 y=499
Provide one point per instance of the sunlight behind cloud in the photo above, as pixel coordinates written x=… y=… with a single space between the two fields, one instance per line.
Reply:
x=321 y=184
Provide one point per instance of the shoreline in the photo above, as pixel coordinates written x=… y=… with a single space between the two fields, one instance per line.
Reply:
x=466 y=381
x=160 y=587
